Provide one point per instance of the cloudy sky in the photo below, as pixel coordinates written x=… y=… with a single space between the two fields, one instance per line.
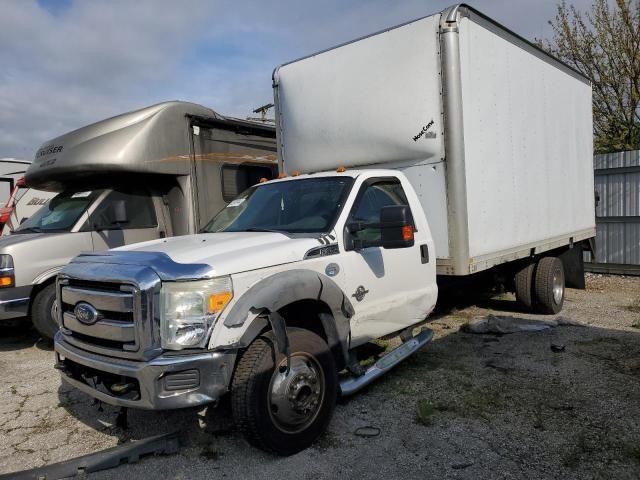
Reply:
x=67 y=63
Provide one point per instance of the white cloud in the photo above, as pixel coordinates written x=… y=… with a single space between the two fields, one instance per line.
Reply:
x=100 y=58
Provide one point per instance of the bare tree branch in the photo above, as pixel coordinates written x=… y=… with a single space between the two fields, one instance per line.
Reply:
x=604 y=45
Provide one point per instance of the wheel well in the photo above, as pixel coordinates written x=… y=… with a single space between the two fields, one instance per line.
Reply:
x=37 y=289
x=304 y=314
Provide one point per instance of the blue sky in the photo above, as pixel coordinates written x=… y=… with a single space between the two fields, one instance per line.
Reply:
x=67 y=63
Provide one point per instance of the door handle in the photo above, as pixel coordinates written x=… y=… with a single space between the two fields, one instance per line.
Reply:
x=424 y=253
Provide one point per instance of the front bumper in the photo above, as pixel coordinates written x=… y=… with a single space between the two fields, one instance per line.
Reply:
x=166 y=382
x=14 y=302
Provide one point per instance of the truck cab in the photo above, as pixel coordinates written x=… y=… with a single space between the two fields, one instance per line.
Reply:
x=306 y=268
x=153 y=173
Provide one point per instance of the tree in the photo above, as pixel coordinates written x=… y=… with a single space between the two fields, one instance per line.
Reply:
x=604 y=45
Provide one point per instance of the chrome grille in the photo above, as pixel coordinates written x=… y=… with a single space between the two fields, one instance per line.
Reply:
x=115 y=331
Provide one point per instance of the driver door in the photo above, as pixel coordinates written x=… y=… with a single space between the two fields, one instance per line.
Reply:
x=123 y=218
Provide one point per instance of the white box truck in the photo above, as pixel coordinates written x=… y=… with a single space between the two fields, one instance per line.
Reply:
x=445 y=145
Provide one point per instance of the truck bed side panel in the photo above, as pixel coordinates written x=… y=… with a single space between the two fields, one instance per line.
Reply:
x=528 y=146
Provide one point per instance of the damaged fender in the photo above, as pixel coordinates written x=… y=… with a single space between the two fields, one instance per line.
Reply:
x=281 y=289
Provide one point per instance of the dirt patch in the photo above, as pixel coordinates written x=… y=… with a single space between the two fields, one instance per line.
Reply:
x=467 y=406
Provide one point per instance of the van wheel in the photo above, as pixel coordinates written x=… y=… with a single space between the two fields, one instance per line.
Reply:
x=43 y=312
x=278 y=411
x=524 y=286
x=549 y=285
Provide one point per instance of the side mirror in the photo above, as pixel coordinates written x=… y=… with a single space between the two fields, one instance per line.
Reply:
x=119 y=212
x=396 y=227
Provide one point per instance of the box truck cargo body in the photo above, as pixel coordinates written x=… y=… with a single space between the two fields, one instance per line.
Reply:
x=494 y=134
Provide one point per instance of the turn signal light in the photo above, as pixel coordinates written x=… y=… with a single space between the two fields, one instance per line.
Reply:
x=6 y=281
x=407 y=233
x=217 y=301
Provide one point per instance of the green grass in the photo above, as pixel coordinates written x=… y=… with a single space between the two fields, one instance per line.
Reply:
x=425 y=411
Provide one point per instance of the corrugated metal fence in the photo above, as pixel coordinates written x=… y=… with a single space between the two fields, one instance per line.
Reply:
x=617 y=182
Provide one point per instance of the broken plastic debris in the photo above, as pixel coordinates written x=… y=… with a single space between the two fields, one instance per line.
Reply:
x=503 y=325
x=367 y=431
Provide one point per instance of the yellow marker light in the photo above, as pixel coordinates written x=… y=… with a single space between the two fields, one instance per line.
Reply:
x=217 y=301
x=295 y=173
x=6 y=281
x=341 y=169
x=264 y=179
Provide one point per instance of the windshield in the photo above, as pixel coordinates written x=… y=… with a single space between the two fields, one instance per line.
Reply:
x=297 y=206
x=59 y=215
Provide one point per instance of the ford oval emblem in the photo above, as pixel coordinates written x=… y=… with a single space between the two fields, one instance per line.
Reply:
x=86 y=313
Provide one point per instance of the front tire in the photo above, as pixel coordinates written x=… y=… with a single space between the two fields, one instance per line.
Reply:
x=43 y=312
x=549 y=285
x=282 y=412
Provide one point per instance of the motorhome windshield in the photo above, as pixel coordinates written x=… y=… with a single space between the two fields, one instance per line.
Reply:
x=59 y=215
x=297 y=206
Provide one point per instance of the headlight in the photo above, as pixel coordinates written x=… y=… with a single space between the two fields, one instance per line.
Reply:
x=189 y=310
x=7 y=278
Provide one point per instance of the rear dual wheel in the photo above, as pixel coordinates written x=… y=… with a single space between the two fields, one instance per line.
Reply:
x=540 y=286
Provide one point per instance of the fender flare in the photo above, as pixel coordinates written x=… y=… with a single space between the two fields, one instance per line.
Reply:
x=44 y=277
x=281 y=289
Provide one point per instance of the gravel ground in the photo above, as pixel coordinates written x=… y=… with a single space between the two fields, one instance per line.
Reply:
x=467 y=406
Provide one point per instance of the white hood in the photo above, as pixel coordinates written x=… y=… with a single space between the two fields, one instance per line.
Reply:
x=231 y=252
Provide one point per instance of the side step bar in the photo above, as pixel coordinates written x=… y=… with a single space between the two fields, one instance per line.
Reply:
x=351 y=385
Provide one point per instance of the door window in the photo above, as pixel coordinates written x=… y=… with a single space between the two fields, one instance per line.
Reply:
x=237 y=178
x=137 y=208
x=372 y=198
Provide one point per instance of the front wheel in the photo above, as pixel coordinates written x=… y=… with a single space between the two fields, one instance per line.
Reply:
x=43 y=312
x=284 y=411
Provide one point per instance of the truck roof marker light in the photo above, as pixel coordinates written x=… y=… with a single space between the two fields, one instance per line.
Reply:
x=341 y=169
x=282 y=175
x=263 y=180
x=295 y=173
x=407 y=233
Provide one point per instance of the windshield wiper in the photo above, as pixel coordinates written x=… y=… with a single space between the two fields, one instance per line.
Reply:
x=259 y=229
x=28 y=229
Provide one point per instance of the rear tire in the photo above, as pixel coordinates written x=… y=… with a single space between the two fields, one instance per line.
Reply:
x=42 y=312
x=279 y=412
x=549 y=285
x=524 y=280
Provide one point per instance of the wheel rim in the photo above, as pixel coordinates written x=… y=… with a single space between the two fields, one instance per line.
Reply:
x=558 y=287
x=295 y=397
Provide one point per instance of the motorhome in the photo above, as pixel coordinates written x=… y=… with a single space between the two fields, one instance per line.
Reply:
x=153 y=173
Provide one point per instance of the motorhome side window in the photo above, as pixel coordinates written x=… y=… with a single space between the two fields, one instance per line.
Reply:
x=237 y=178
x=371 y=199
x=124 y=210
